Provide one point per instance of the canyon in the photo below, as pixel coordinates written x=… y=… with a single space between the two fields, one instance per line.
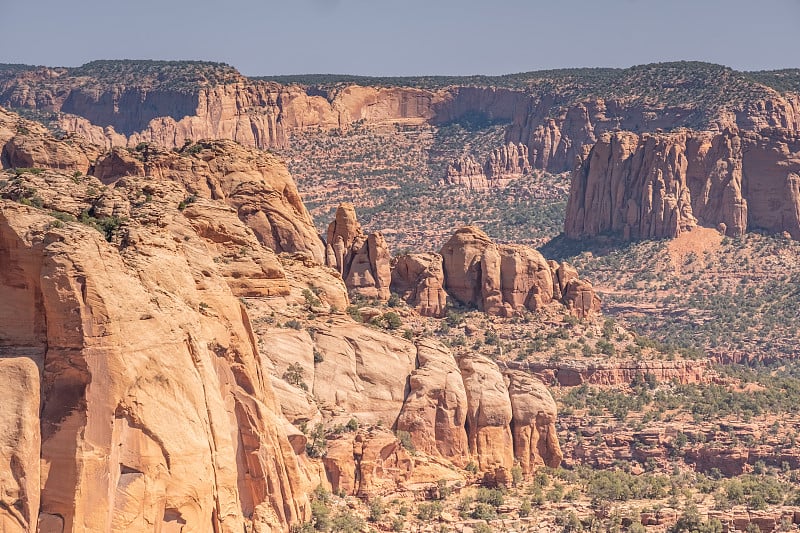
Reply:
x=724 y=145
x=138 y=293
x=189 y=344
x=556 y=115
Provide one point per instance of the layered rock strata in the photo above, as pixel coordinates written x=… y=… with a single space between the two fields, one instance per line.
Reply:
x=502 y=165
x=658 y=185
x=554 y=124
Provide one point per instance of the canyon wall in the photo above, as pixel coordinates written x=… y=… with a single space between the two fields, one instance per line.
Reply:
x=654 y=186
x=554 y=128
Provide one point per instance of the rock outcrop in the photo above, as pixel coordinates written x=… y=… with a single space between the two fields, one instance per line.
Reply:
x=617 y=373
x=367 y=463
x=153 y=401
x=534 y=415
x=489 y=416
x=253 y=182
x=435 y=408
x=27 y=144
x=506 y=279
x=362 y=260
x=453 y=411
x=20 y=443
x=502 y=165
x=659 y=185
x=467 y=172
x=419 y=280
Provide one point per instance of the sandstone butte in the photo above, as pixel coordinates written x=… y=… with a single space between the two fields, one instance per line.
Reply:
x=654 y=186
x=137 y=394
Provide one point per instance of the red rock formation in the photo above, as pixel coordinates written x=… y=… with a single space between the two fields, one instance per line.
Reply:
x=616 y=373
x=435 y=408
x=20 y=442
x=506 y=279
x=467 y=172
x=657 y=186
x=533 y=422
x=27 y=144
x=367 y=463
x=508 y=160
x=253 y=182
x=419 y=280
x=503 y=164
x=265 y=114
x=152 y=399
x=489 y=416
x=363 y=261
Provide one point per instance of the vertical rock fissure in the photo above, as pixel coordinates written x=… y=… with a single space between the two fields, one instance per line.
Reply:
x=190 y=345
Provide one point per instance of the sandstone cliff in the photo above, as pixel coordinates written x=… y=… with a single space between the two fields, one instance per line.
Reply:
x=502 y=165
x=556 y=115
x=656 y=186
x=153 y=399
x=421 y=389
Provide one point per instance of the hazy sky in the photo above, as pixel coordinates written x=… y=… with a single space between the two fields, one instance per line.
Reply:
x=406 y=37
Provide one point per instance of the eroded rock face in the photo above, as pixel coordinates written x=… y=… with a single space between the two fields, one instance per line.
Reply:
x=27 y=144
x=506 y=279
x=147 y=365
x=367 y=463
x=419 y=280
x=362 y=260
x=659 y=185
x=534 y=422
x=361 y=371
x=616 y=373
x=254 y=183
x=435 y=409
x=502 y=165
x=20 y=442
x=489 y=415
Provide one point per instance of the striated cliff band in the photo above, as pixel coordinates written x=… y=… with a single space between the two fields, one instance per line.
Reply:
x=655 y=186
x=556 y=115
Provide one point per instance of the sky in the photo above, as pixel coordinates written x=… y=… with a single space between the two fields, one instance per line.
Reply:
x=405 y=37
